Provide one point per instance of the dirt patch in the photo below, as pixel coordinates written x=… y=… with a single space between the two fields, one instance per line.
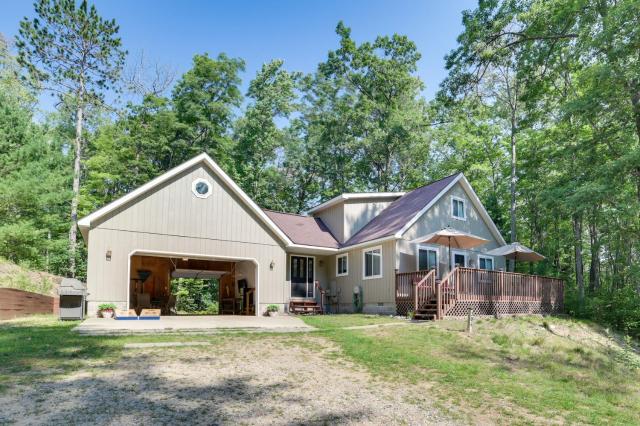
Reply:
x=238 y=380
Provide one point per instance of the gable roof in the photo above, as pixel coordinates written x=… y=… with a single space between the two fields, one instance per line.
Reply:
x=304 y=230
x=85 y=223
x=392 y=219
x=354 y=196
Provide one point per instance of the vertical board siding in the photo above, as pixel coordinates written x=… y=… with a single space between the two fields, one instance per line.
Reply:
x=172 y=219
x=357 y=213
x=333 y=217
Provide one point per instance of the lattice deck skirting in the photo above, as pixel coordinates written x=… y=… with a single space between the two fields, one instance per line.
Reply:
x=461 y=308
x=403 y=307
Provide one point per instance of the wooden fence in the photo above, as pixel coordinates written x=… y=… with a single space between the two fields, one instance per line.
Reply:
x=17 y=303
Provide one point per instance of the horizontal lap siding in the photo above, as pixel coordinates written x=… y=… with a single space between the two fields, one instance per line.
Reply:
x=378 y=290
x=172 y=219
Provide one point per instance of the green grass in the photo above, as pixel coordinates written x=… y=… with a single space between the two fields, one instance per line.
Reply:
x=328 y=322
x=510 y=367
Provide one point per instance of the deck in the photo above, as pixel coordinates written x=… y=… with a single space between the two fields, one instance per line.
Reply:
x=484 y=292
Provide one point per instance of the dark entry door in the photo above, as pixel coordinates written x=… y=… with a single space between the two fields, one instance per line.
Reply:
x=302 y=271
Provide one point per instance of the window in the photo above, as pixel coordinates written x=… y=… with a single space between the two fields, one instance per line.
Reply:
x=457 y=208
x=427 y=258
x=372 y=263
x=485 y=262
x=459 y=258
x=201 y=188
x=342 y=265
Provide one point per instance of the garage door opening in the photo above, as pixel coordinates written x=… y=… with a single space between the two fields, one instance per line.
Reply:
x=182 y=285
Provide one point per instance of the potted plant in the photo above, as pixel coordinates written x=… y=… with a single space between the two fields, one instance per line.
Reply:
x=272 y=310
x=106 y=310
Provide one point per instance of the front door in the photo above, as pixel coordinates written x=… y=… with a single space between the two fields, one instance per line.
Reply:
x=302 y=276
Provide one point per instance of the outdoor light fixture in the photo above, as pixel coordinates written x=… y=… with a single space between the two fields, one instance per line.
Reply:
x=108 y=256
x=272 y=265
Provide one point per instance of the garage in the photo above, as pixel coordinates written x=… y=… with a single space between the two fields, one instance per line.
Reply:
x=163 y=281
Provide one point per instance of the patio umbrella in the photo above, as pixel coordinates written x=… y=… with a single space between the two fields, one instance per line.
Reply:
x=516 y=251
x=453 y=239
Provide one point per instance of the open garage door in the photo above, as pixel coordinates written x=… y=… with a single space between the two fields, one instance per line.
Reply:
x=159 y=281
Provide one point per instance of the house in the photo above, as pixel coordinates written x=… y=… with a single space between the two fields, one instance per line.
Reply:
x=195 y=221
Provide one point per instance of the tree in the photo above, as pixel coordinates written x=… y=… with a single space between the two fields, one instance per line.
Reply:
x=204 y=100
x=74 y=53
x=389 y=119
x=257 y=134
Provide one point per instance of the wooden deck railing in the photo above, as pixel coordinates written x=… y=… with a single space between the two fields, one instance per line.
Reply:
x=405 y=290
x=424 y=290
x=481 y=285
x=478 y=285
x=475 y=287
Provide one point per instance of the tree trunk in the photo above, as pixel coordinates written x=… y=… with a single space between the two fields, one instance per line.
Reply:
x=73 y=229
x=577 y=236
x=594 y=268
x=513 y=188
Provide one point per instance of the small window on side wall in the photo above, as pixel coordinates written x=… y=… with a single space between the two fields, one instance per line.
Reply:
x=342 y=265
x=458 y=208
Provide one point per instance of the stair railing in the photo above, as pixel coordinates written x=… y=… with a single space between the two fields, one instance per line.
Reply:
x=424 y=290
x=446 y=292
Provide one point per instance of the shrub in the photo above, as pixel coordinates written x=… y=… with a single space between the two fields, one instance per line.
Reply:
x=273 y=308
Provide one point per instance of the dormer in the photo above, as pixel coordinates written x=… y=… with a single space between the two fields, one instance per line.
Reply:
x=347 y=213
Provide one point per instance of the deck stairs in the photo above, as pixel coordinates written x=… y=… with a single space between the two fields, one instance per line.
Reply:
x=427 y=310
x=304 y=307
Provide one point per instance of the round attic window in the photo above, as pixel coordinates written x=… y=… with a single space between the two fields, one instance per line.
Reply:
x=201 y=188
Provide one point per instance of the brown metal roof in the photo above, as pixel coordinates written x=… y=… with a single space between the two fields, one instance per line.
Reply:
x=401 y=211
x=303 y=230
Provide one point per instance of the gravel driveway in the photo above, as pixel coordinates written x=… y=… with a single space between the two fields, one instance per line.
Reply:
x=240 y=380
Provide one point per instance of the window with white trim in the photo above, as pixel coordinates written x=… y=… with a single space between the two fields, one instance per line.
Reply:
x=201 y=188
x=485 y=262
x=458 y=208
x=372 y=263
x=342 y=265
x=427 y=258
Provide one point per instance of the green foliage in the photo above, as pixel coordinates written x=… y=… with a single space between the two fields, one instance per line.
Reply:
x=107 y=307
x=196 y=295
x=273 y=308
x=70 y=49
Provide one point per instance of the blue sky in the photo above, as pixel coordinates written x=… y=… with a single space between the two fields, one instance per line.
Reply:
x=299 y=32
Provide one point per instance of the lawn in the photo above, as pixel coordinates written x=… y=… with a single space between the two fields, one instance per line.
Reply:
x=540 y=371
x=527 y=370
